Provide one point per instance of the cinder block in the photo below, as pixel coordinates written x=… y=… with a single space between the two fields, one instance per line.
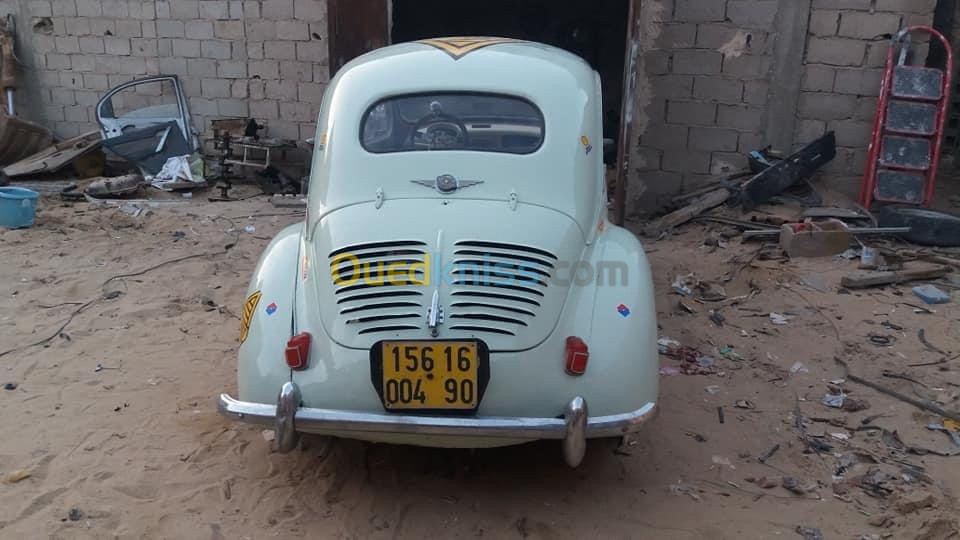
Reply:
x=129 y=28
x=293 y=30
x=699 y=10
x=758 y=14
x=201 y=67
x=284 y=129
x=215 y=88
x=115 y=8
x=236 y=9
x=68 y=44
x=117 y=46
x=257 y=89
x=677 y=36
x=91 y=45
x=255 y=50
x=264 y=69
x=866 y=109
x=214 y=9
x=863 y=82
x=277 y=9
x=295 y=111
x=697 y=62
x=163 y=9
x=824 y=22
x=672 y=86
x=103 y=27
x=836 y=51
x=170 y=29
x=251 y=9
x=283 y=90
x=63 y=8
x=76 y=113
x=714 y=35
x=53 y=113
x=171 y=64
x=818 y=78
x=321 y=72
x=656 y=62
x=198 y=29
x=865 y=25
x=39 y=8
x=219 y=50
x=280 y=50
x=184 y=9
x=822 y=106
x=82 y=62
x=89 y=8
x=756 y=92
x=312 y=51
x=228 y=29
x=311 y=92
x=232 y=69
x=62 y=96
x=238 y=88
x=164 y=47
x=684 y=160
x=741 y=117
x=750 y=142
x=727 y=163
x=296 y=71
x=260 y=30
x=203 y=107
x=57 y=61
x=73 y=81
x=187 y=48
x=149 y=29
x=67 y=130
x=842 y=4
x=233 y=107
x=747 y=66
x=77 y=26
x=718 y=89
x=713 y=139
x=691 y=113
x=142 y=10
x=264 y=110
x=44 y=44
x=645 y=159
x=132 y=65
x=907 y=6
x=147 y=48
x=310 y=10
x=105 y=65
x=851 y=132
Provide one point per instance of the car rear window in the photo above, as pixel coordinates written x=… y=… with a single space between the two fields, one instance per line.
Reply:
x=452 y=121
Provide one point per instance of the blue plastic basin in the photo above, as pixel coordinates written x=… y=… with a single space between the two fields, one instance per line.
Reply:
x=18 y=206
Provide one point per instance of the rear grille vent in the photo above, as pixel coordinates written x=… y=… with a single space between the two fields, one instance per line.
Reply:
x=369 y=299
x=498 y=287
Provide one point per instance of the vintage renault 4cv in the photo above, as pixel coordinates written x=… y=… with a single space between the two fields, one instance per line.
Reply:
x=455 y=282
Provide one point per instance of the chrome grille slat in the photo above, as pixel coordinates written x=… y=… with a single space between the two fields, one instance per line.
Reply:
x=395 y=328
x=377 y=245
x=493 y=262
x=373 y=296
x=493 y=306
x=490 y=330
x=505 y=246
x=478 y=275
x=514 y=256
x=385 y=305
x=487 y=317
x=379 y=318
x=491 y=295
x=474 y=283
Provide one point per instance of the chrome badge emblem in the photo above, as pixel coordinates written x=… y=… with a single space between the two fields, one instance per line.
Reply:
x=447 y=183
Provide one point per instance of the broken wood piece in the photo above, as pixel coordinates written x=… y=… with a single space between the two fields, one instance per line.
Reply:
x=864 y=279
x=685 y=214
x=53 y=158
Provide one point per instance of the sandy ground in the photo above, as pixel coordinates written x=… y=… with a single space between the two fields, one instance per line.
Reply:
x=137 y=448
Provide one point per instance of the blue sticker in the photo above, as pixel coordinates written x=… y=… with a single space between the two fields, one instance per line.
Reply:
x=272 y=308
x=623 y=310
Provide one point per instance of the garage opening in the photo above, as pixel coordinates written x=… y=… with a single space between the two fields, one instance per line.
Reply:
x=596 y=31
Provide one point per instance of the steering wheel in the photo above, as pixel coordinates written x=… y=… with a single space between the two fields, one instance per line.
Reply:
x=439 y=130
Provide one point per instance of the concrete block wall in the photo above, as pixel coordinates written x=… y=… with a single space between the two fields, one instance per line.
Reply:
x=262 y=58
x=707 y=71
x=842 y=73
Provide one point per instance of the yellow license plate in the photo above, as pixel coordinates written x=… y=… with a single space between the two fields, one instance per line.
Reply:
x=433 y=375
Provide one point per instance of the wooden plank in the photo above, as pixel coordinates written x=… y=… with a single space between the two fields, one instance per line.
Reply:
x=864 y=279
x=53 y=158
x=630 y=75
x=355 y=27
x=685 y=214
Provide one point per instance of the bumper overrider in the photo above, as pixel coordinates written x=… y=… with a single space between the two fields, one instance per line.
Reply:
x=573 y=428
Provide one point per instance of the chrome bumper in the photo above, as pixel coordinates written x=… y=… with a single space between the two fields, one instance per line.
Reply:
x=573 y=429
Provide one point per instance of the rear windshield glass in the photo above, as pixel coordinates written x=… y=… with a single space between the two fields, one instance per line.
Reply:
x=452 y=121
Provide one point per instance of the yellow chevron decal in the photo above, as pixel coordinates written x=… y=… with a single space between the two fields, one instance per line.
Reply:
x=458 y=47
x=249 y=307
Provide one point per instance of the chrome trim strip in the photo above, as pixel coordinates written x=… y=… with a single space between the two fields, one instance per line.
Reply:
x=325 y=420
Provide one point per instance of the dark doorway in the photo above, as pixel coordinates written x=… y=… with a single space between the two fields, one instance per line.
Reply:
x=596 y=31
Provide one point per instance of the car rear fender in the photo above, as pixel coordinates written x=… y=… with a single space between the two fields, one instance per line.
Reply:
x=268 y=310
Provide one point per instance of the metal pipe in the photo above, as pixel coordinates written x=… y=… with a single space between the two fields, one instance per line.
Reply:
x=10 y=109
x=862 y=230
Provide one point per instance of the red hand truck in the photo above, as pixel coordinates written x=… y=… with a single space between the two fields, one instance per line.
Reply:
x=905 y=145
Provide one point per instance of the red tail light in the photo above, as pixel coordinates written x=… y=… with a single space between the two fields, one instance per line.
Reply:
x=298 y=351
x=577 y=356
